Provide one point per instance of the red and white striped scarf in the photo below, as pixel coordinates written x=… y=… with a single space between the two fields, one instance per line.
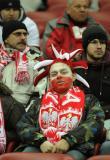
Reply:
x=60 y=115
x=21 y=62
x=2 y=131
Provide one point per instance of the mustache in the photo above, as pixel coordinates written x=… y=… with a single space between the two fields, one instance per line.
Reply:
x=23 y=42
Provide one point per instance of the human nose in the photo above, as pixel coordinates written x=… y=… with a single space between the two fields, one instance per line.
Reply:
x=82 y=9
x=23 y=36
x=11 y=11
x=59 y=75
x=99 y=45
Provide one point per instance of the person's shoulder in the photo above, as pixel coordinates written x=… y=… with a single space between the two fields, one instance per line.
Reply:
x=29 y=21
x=92 y=101
x=56 y=21
x=53 y=21
x=91 y=97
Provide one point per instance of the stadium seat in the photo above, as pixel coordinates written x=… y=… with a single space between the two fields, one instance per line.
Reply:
x=100 y=157
x=35 y=156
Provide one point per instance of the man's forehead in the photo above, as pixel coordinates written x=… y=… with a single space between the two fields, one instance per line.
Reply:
x=58 y=66
x=11 y=8
x=98 y=40
x=76 y=2
x=19 y=30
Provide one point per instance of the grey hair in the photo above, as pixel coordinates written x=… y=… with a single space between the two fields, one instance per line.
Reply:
x=71 y=1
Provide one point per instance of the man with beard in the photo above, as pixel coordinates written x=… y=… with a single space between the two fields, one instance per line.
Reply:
x=17 y=60
x=97 y=54
x=65 y=120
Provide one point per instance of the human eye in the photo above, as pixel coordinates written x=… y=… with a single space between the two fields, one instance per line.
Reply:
x=17 y=34
x=102 y=42
x=15 y=9
x=86 y=6
x=94 y=42
x=77 y=6
x=25 y=34
x=64 y=72
x=53 y=74
x=7 y=9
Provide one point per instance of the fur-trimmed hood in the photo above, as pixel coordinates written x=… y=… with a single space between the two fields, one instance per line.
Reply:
x=22 y=16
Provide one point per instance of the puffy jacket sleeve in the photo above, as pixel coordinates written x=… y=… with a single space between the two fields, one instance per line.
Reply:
x=91 y=125
x=52 y=35
x=28 y=127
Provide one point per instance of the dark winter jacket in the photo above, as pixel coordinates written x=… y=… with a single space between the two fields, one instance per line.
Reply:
x=82 y=138
x=98 y=77
x=12 y=110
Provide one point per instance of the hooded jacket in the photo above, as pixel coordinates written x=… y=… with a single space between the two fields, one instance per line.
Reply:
x=33 y=37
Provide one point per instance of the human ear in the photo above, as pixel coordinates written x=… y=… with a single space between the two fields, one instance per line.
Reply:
x=74 y=76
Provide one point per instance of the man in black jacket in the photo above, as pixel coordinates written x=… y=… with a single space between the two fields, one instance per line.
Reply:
x=95 y=44
x=97 y=55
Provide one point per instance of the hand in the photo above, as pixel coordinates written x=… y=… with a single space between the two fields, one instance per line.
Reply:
x=46 y=147
x=61 y=147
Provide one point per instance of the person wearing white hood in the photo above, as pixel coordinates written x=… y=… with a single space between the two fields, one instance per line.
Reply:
x=12 y=10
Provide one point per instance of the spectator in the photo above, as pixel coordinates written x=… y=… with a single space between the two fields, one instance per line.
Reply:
x=98 y=57
x=17 y=60
x=98 y=74
x=66 y=31
x=12 y=10
x=65 y=120
x=10 y=112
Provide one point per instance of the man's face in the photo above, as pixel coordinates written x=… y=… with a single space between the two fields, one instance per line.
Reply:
x=17 y=40
x=61 y=77
x=78 y=10
x=96 y=50
x=9 y=14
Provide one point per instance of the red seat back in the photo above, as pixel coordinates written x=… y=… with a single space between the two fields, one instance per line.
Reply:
x=35 y=156
x=101 y=157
